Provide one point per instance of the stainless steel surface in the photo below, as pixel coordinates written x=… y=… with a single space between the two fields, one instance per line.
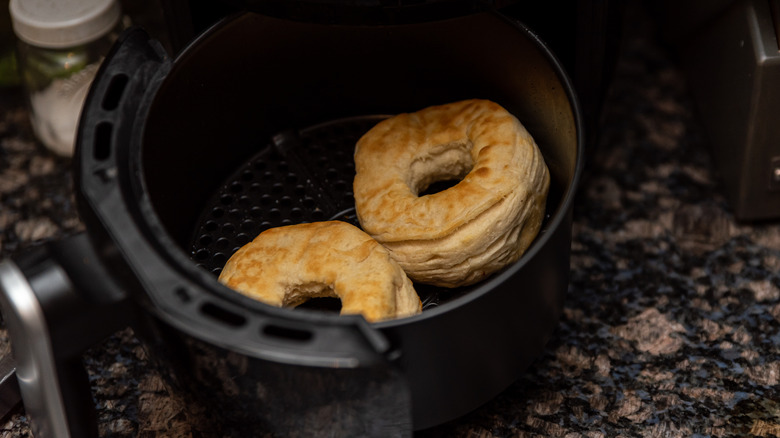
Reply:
x=36 y=369
x=774 y=8
x=733 y=65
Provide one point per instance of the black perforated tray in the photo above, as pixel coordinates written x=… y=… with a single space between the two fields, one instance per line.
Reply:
x=298 y=177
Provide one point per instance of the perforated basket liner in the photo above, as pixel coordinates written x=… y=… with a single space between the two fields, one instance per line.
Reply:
x=303 y=176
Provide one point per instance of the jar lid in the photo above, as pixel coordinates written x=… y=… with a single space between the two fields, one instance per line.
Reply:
x=63 y=23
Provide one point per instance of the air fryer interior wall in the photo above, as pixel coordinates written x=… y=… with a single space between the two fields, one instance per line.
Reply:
x=241 y=84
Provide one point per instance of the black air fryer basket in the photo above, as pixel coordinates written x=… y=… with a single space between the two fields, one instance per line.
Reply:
x=252 y=126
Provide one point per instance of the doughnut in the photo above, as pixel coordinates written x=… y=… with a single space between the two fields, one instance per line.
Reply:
x=285 y=266
x=463 y=234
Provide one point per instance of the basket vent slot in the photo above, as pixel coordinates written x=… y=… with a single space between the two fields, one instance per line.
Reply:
x=287 y=333
x=223 y=315
x=116 y=89
x=102 y=149
x=183 y=294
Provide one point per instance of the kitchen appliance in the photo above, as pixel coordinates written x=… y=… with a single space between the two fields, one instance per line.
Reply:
x=181 y=161
x=730 y=51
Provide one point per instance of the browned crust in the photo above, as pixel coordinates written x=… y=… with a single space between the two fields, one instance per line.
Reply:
x=507 y=185
x=285 y=266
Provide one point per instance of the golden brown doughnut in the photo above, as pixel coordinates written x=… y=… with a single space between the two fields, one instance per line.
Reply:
x=460 y=235
x=286 y=266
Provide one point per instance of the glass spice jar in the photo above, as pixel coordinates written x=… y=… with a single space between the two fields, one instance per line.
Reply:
x=60 y=45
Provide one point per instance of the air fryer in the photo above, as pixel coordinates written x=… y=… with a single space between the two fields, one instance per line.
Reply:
x=180 y=162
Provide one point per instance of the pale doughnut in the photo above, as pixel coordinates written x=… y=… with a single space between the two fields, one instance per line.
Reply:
x=460 y=235
x=285 y=266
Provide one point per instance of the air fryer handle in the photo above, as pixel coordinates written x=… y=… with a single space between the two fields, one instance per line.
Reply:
x=112 y=117
x=58 y=300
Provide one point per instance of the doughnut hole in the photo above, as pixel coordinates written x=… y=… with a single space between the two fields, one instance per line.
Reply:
x=442 y=167
x=327 y=304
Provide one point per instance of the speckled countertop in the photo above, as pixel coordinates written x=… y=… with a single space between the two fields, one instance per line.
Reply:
x=671 y=326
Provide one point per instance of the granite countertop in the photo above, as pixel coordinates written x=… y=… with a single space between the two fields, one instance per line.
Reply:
x=671 y=326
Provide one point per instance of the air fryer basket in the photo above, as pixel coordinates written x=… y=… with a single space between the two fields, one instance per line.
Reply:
x=253 y=126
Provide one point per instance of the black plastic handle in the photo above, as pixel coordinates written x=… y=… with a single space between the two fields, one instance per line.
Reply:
x=51 y=322
x=121 y=219
x=185 y=306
